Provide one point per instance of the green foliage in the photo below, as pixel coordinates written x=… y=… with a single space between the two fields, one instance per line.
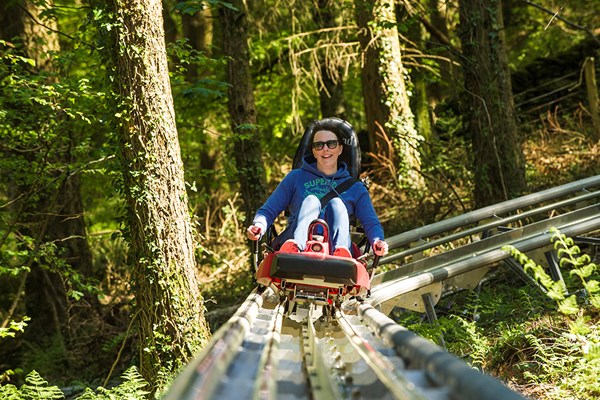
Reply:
x=13 y=327
x=529 y=29
x=36 y=388
x=580 y=266
x=133 y=388
x=551 y=355
x=191 y=7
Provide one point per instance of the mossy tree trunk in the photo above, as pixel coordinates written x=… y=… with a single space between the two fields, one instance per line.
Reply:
x=169 y=304
x=498 y=160
x=387 y=104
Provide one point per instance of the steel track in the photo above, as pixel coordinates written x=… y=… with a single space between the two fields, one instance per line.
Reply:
x=266 y=352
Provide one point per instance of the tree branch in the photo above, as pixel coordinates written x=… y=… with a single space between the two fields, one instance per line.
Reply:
x=558 y=17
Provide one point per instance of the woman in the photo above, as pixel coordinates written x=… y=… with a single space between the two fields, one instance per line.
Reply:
x=300 y=192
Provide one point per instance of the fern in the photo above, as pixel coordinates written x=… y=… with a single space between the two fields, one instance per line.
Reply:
x=9 y=392
x=13 y=328
x=570 y=256
x=36 y=388
x=575 y=353
x=132 y=388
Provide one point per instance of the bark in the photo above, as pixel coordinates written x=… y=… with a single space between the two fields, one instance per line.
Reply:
x=168 y=300
x=387 y=105
x=442 y=89
x=331 y=92
x=498 y=160
x=242 y=111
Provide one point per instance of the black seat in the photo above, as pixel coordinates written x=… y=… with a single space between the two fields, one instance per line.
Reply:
x=351 y=154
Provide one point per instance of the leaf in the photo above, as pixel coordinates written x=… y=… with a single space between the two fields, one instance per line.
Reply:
x=557 y=291
x=583 y=272
x=37 y=388
x=580 y=326
x=568 y=306
x=592 y=286
x=595 y=301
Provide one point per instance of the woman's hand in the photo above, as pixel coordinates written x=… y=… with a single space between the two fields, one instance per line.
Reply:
x=253 y=232
x=380 y=247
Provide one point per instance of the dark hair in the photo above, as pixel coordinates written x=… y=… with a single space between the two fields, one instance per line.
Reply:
x=327 y=125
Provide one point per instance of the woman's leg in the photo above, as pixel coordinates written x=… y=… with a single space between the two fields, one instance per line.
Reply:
x=309 y=211
x=336 y=215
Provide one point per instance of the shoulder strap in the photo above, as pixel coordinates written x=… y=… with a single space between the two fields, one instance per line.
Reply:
x=342 y=187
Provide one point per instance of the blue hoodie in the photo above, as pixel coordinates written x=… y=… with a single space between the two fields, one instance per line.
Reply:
x=307 y=180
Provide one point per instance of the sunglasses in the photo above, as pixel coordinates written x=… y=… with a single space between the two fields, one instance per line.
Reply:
x=331 y=144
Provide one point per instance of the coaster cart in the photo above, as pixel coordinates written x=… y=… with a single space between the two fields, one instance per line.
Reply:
x=315 y=276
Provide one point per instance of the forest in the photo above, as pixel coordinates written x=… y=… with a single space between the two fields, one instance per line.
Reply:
x=139 y=137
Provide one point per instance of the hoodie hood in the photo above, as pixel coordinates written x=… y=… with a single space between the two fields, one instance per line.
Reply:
x=309 y=164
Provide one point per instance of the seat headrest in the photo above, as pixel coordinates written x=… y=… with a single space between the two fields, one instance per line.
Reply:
x=350 y=155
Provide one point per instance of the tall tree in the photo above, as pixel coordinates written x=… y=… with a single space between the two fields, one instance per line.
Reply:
x=386 y=99
x=198 y=29
x=498 y=160
x=331 y=89
x=242 y=109
x=439 y=43
x=169 y=303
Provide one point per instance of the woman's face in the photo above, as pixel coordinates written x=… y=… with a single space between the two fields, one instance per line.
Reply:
x=326 y=157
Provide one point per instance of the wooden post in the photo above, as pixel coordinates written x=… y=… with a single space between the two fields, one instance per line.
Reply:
x=592 y=92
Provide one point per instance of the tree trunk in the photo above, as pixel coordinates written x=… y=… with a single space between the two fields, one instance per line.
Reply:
x=168 y=300
x=198 y=29
x=386 y=101
x=242 y=111
x=498 y=160
x=445 y=85
x=22 y=21
x=331 y=92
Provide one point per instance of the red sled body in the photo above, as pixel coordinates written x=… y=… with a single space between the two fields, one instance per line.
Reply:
x=314 y=275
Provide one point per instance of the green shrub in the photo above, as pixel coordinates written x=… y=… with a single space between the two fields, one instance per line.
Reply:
x=564 y=355
x=36 y=388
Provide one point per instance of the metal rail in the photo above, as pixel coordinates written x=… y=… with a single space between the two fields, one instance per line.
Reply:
x=492 y=212
x=441 y=367
x=261 y=353
x=399 y=384
x=422 y=273
x=252 y=327
x=349 y=357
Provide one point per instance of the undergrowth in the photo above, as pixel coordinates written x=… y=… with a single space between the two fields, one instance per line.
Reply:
x=546 y=347
x=566 y=352
x=36 y=388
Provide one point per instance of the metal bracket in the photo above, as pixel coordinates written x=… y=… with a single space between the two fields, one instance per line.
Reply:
x=468 y=280
x=518 y=269
x=554 y=265
x=414 y=300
